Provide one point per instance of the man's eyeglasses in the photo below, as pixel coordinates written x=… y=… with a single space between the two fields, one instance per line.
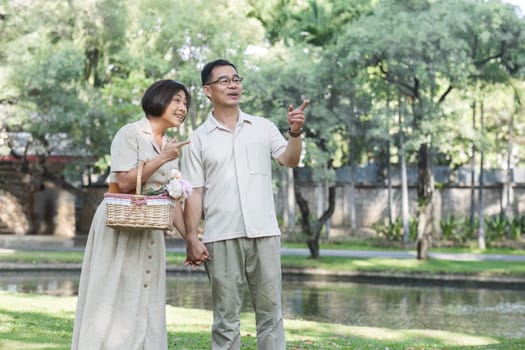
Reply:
x=225 y=81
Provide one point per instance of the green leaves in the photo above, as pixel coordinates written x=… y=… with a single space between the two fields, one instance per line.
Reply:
x=81 y=67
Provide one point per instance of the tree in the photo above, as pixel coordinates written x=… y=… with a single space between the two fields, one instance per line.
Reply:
x=432 y=58
x=495 y=48
x=276 y=85
x=81 y=66
x=42 y=73
x=309 y=31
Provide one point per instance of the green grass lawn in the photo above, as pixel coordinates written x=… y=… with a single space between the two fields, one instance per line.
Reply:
x=409 y=266
x=29 y=321
x=374 y=244
x=339 y=264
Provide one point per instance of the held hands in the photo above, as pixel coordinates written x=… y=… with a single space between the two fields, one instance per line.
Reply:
x=196 y=253
x=296 y=116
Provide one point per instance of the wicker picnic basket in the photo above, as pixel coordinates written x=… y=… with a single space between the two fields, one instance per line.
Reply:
x=139 y=212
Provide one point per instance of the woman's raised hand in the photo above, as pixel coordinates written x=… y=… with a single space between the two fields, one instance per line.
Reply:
x=172 y=149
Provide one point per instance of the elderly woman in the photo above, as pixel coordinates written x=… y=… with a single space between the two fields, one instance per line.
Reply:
x=122 y=292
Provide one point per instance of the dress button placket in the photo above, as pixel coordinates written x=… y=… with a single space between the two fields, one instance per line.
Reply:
x=147 y=267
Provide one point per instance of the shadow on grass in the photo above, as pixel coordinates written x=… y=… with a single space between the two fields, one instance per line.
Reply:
x=30 y=322
x=304 y=335
x=34 y=330
x=200 y=341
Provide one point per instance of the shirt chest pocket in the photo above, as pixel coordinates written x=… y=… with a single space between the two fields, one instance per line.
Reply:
x=258 y=159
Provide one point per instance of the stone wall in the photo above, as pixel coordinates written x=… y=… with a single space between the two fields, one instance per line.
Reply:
x=452 y=197
x=372 y=203
x=28 y=208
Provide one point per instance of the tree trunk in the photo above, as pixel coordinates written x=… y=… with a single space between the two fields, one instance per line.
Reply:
x=404 y=200
x=404 y=179
x=319 y=197
x=389 y=189
x=425 y=188
x=473 y=171
x=313 y=229
x=424 y=193
x=313 y=247
x=351 y=161
x=352 y=198
x=389 y=167
x=481 y=231
x=328 y=223
x=508 y=178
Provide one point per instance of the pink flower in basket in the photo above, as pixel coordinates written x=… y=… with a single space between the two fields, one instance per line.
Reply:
x=177 y=187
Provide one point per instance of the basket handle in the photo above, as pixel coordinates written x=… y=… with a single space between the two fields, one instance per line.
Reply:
x=139 y=177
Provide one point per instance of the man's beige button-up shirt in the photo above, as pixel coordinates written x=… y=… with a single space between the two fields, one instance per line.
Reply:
x=235 y=171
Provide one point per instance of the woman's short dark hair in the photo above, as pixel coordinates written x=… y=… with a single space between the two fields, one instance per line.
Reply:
x=159 y=95
x=208 y=68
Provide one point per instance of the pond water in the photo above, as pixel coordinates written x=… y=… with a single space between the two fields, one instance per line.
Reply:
x=475 y=310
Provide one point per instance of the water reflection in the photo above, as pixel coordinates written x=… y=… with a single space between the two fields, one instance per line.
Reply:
x=51 y=283
x=494 y=312
x=472 y=310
